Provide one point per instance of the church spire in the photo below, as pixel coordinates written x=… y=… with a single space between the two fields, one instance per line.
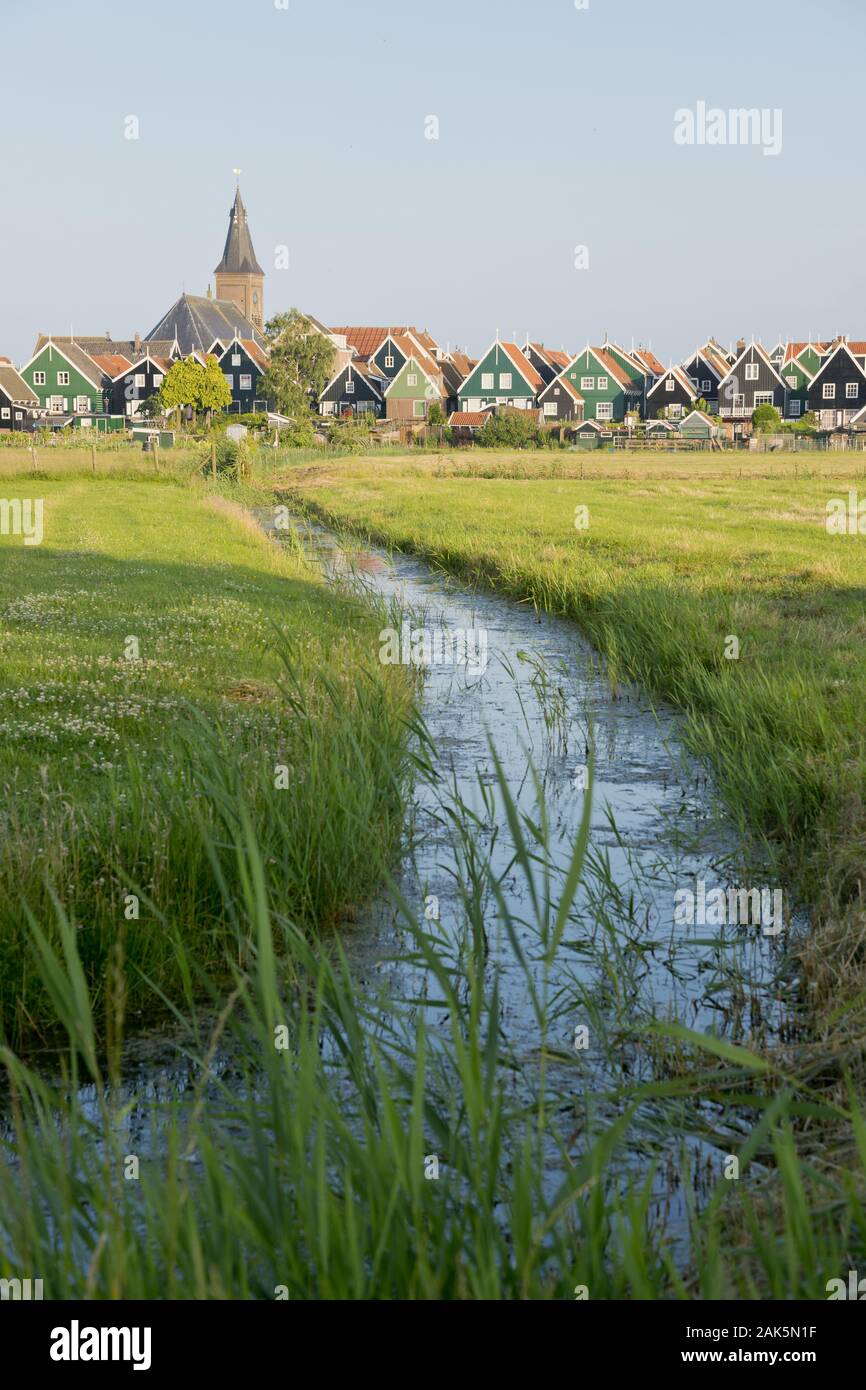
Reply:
x=239 y=277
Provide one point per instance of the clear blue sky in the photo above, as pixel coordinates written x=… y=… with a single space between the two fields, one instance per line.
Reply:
x=556 y=130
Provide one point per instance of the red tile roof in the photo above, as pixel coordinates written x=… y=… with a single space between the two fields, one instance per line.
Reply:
x=523 y=365
x=112 y=364
x=469 y=418
x=258 y=354
x=616 y=371
x=366 y=341
x=649 y=359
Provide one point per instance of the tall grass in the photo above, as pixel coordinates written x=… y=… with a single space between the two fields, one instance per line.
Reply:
x=313 y=1139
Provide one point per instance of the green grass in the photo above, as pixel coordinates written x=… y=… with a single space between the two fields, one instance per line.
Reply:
x=667 y=570
x=98 y=772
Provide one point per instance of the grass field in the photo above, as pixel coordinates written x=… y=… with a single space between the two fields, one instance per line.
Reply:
x=149 y=614
x=665 y=572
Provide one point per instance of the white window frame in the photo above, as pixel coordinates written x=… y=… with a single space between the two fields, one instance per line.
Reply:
x=852 y=390
x=350 y=388
x=229 y=380
x=5 y=413
x=763 y=398
x=587 y=383
x=506 y=381
x=82 y=405
x=158 y=380
x=389 y=360
x=794 y=407
x=245 y=381
x=62 y=378
x=604 y=410
x=706 y=386
x=792 y=381
x=140 y=381
x=670 y=384
x=236 y=359
x=753 y=371
x=551 y=408
x=829 y=391
x=411 y=378
x=487 y=381
x=602 y=383
x=38 y=378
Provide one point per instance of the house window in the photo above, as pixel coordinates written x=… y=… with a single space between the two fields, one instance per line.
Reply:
x=419 y=409
x=82 y=405
x=505 y=381
x=412 y=379
x=676 y=412
x=706 y=386
x=550 y=408
x=158 y=380
x=670 y=384
x=38 y=378
x=236 y=359
x=5 y=413
x=587 y=383
x=763 y=398
x=140 y=381
x=602 y=383
x=604 y=410
x=752 y=371
x=851 y=390
x=246 y=382
x=794 y=407
x=350 y=388
x=55 y=405
x=229 y=380
x=792 y=381
x=62 y=378
x=829 y=390
x=389 y=360
x=486 y=381
x=18 y=415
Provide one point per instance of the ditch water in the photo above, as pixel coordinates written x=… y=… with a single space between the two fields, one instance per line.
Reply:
x=542 y=702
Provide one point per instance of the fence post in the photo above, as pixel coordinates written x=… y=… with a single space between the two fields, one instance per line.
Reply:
x=213 y=458
x=156 y=455
x=35 y=458
x=93 y=457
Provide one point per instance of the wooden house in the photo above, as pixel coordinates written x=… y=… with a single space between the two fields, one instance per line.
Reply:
x=19 y=405
x=837 y=391
x=751 y=381
x=671 y=397
x=357 y=389
x=502 y=376
x=609 y=392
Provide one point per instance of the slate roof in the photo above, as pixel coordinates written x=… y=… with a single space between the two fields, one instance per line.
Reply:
x=195 y=321
x=239 y=258
x=14 y=387
x=562 y=380
x=100 y=345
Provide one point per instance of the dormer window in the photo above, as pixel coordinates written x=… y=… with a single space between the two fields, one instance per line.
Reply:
x=236 y=359
x=389 y=360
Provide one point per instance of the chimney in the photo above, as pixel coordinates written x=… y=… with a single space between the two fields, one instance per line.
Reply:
x=137 y=344
x=741 y=346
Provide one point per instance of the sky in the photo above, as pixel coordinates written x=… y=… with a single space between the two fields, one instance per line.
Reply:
x=558 y=198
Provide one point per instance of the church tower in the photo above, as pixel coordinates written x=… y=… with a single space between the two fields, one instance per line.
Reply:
x=239 y=277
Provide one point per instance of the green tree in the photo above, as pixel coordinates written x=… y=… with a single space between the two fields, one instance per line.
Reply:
x=517 y=431
x=214 y=392
x=766 y=419
x=181 y=385
x=436 y=415
x=301 y=363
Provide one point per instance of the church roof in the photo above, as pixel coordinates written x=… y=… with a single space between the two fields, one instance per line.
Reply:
x=239 y=258
x=196 y=321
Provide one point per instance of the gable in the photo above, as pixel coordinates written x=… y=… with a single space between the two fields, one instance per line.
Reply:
x=425 y=386
x=498 y=362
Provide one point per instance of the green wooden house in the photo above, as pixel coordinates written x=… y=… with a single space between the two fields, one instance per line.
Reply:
x=502 y=376
x=699 y=425
x=798 y=373
x=413 y=390
x=609 y=391
x=66 y=381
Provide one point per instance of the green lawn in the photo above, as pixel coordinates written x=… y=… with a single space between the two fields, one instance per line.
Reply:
x=665 y=572
x=150 y=618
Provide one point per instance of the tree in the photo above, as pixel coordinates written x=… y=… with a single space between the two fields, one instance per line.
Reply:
x=301 y=364
x=180 y=386
x=436 y=415
x=514 y=431
x=214 y=392
x=766 y=419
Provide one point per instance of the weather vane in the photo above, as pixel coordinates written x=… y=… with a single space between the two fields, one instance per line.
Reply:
x=237 y=173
